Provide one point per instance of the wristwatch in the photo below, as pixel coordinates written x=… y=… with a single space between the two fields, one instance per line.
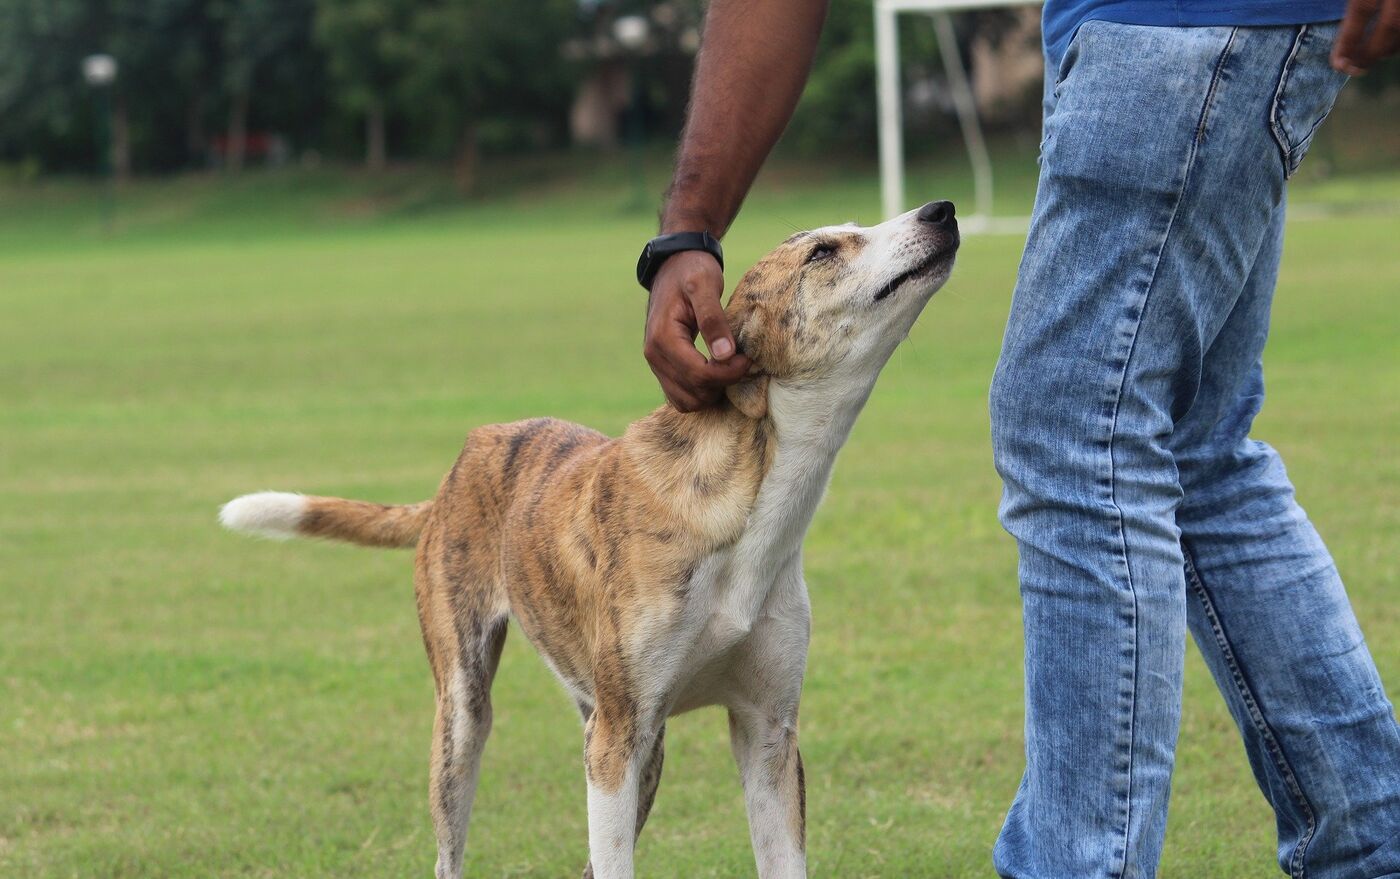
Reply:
x=660 y=248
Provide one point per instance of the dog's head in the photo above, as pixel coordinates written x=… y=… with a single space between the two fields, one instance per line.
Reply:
x=836 y=301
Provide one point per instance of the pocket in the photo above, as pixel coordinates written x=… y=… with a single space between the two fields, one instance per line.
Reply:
x=1307 y=88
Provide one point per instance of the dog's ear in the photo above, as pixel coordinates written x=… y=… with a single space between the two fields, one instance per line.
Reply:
x=747 y=321
x=750 y=395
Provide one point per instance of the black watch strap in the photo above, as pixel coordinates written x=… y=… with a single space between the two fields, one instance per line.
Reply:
x=660 y=248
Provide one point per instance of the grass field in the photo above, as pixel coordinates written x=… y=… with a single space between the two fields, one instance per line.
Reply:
x=178 y=702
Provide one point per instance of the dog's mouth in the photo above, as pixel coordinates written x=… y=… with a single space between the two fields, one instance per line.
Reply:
x=934 y=261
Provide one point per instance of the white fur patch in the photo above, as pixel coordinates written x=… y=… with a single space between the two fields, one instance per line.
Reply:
x=274 y=514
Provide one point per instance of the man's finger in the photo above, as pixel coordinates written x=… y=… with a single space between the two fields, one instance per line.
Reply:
x=714 y=326
x=1348 y=51
x=1385 y=36
x=724 y=373
x=680 y=399
x=691 y=368
x=690 y=385
x=686 y=400
x=677 y=395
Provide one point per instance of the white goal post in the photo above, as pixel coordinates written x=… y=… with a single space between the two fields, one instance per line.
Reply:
x=891 y=112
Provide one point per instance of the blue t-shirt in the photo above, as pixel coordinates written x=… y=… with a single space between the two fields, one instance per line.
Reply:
x=1063 y=17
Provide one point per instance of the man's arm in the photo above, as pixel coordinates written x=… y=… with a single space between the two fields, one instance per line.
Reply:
x=754 y=60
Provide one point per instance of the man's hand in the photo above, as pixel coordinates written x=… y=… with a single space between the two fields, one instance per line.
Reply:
x=1356 y=49
x=685 y=298
x=745 y=88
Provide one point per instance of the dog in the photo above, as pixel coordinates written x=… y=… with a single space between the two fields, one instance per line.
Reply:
x=660 y=571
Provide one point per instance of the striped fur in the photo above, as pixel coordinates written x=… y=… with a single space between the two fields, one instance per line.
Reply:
x=659 y=571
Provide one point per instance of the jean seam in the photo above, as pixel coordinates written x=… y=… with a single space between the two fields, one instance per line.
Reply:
x=1286 y=149
x=1117 y=409
x=1252 y=709
x=1214 y=85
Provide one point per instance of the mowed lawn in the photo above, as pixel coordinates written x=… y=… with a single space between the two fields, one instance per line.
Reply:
x=177 y=701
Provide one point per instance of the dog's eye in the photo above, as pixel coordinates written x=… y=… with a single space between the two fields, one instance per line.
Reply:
x=821 y=251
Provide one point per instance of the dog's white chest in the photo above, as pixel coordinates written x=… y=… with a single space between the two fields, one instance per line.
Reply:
x=731 y=610
x=752 y=591
x=749 y=600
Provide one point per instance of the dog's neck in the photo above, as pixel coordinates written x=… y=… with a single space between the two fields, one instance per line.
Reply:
x=716 y=468
x=703 y=468
x=810 y=423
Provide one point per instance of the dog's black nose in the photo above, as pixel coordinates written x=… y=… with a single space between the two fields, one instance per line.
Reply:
x=940 y=212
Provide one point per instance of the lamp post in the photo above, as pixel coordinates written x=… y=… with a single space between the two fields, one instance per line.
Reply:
x=100 y=72
x=632 y=33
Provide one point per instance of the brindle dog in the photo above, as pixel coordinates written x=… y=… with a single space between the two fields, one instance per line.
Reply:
x=660 y=571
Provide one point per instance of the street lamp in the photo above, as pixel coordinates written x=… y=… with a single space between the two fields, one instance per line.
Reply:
x=100 y=72
x=632 y=33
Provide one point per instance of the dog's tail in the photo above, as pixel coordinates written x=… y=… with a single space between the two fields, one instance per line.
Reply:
x=279 y=515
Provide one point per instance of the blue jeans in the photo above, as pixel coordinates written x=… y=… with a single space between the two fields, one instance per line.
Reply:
x=1121 y=410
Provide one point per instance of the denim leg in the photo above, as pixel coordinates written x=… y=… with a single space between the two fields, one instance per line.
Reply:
x=1273 y=622
x=1161 y=178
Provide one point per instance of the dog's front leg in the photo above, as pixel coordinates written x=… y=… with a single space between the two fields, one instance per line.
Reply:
x=616 y=747
x=765 y=747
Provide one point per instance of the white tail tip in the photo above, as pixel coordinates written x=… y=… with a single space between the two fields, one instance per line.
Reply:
x=274 y=514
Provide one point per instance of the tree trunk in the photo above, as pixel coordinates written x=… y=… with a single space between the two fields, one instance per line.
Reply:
x=121 y=141
x=464 y=163
x=376 y=152
x=237 y=147
x=195 y=144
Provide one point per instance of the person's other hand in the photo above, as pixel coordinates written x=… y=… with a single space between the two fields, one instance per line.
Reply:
x=1357 y=49
x=685 y=299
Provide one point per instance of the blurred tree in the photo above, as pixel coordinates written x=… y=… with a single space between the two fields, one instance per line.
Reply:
x=473 y=60
x=263 y=43
x=181 y=80
x=367 y=50
x=43 y=97
x=44 y=103
x=443 y=76
x=167 y=52
x=838 y=110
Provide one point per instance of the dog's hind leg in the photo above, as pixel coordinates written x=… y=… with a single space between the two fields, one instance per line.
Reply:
x=646 y=788
x=459 y=732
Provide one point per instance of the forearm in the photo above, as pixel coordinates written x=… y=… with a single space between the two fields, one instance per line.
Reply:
x=754 y=61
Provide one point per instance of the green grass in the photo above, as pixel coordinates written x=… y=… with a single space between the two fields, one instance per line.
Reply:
x=176 y=701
